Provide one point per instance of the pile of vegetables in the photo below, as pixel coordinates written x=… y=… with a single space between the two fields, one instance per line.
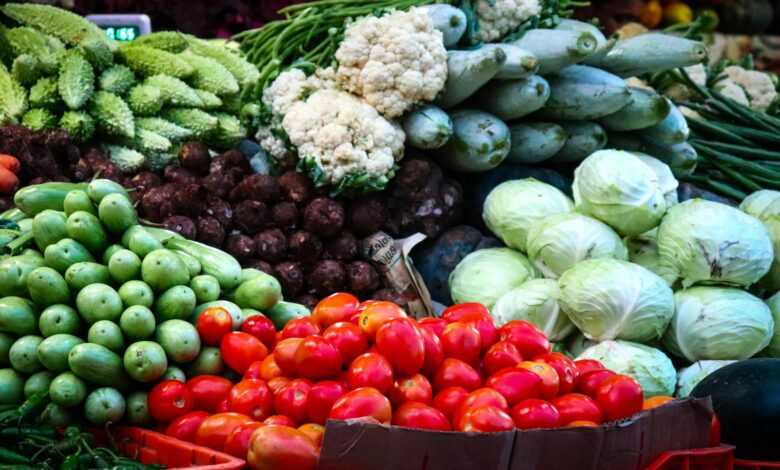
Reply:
x=626 y=274
x=140 y=100
x=94 y=307
x=370 y=361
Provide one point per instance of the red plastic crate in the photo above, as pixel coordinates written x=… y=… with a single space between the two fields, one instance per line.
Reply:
x=740 y=464
x=711 y=458
x=151 y=447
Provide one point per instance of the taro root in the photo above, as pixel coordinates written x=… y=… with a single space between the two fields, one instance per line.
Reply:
x=327 y=276
x=220 y=210
x=263 y=188
x=177 y=174
x=240 y=246
x=344 y=247
x=285 y=215
x=219 y=183
x=307 y=300
x=6 y=203
x=156 y=203
x=107 y=170
x=232 y=162
x=362 y=278
x=295 y=187
x=264 y=266
x=188 y=199
x=182 y=225
x=143 y=181
x=291 y=277
x=367 y=216
x=304 y=247
x=324 y=217
x=271 y=245
x=210 y=231
x=251 y=216
x=195 y=157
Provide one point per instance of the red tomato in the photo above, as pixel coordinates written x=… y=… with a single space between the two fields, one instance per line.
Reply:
x=185 y=426
x=284 y=354
x=213 y=324
x=169 y=399
x=414 y=388
x=253 y=398
x=316 y=358
x=291 y=400
x=370 y=370
x=223 y=406
x=462 y=341
x=434 y=352
x=239 y=350
x=500 y=356
x=208 y=391
x=276 y=447
x=576 y=407
x=262 y=328
x=417 y=415
x=237 y=442
x=300 y=328
x=550 y=381
x=449 y=399
x=515 y=384
x=335 y=308
x=279 y=420
x=486 y=419
x=564 y=367
x=215 y=429
x=376 y=314
x=314 y=431
x=434 y=325
x=527 y=338
x=364 y=401
x=321 y=398
x=582 y=424
x=348 y=338
x=401 y=343
x=535 y=414
x=254 y=370
x=277 y=383
x=453 y=372
x=477 y=398
x=655 y=402
x=464 y=312
x=587 y=365
x=619 y=397
x=588 y=383
x=269 y=369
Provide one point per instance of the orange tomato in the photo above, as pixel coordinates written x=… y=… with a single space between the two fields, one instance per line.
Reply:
x=550 y=381
x=314 y=431
x=10 y=163
x=214 y=430
x=237 y=442
x=580 y=424
x=275 y=447
x=269 y=369
x=655 y=402
x=284 y=354
x=335 y=308
x=377 y=314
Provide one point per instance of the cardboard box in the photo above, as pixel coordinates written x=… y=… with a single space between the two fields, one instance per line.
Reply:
x=631 y=444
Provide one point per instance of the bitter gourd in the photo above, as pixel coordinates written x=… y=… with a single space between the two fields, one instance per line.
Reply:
x=199 y=122
x=171 y=41
x=38 y=119
x=145 y=100
x=13 y=96
x=44 y=93
x=112 y=115
x=158 y=161
x=245 y=72
x=117 y=79
x=79 y=125
x=211 y=76
x=209 y=100
x=163 y=127
x=97 y=53
x=127 y=160
x=26 y=40
x=26 y=69
x=149 y=61
x=229 y=132
x=76 y=81
x=174 y=91
x=63 y=24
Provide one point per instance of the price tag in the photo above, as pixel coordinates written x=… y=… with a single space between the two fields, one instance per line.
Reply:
x=123 y=28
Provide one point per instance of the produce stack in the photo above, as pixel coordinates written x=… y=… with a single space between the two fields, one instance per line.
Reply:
x=370 y=361
x=99 y=307
x=635 y=274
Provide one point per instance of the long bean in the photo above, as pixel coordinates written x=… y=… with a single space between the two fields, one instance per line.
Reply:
x=740 y=150
x=718 y=131
x=736 y=161
x=751 y=133
x=717 y=186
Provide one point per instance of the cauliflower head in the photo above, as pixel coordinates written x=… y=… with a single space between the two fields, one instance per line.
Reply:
x=345 y=137
x=497 y=18
x=757 y=87
x=292 y=86
x=393 y=62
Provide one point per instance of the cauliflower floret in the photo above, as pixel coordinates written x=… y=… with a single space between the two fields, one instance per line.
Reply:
x=272 y=144
x=731 y=90
x=497 y=18
x=758 y=86
x=344 y=136
x=680 y=92
x=393 y=62
x=293 y=85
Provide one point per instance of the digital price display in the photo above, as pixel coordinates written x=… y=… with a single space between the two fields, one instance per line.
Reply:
x=123 y=27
